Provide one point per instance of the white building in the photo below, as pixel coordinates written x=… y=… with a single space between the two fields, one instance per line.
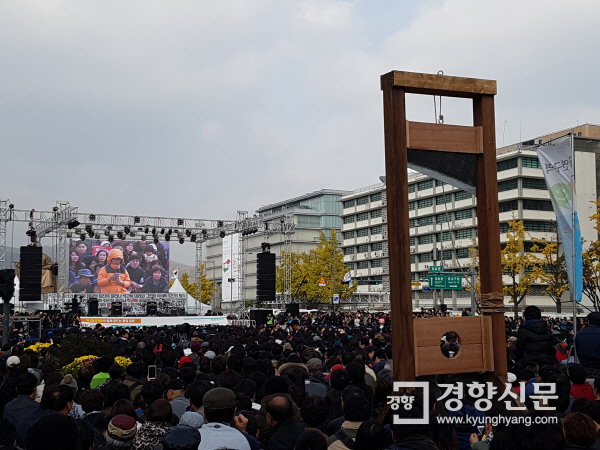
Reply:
x=444 y=224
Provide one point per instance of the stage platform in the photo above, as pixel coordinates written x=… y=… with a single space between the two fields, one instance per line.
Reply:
x=153 y=321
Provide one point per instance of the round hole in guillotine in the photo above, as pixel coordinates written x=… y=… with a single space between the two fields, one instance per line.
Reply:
x=450 y=344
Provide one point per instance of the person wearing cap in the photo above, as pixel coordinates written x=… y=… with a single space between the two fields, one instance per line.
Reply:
x=587 y=343
x=84 y=281
x=219 y=405
x=121 y=432
x=181 y=438
x=25 y=402
x=175 y=395
x=113 y=278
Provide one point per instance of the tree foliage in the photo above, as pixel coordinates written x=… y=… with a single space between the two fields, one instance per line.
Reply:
x=591 y=264
x=308 y=267
x=554 y=272
x=474 y=261
x=523 y=268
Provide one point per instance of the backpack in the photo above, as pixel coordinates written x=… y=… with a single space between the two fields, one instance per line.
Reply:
x=346 y=440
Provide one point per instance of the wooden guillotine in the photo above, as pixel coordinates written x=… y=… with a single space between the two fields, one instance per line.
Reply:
x=465 y=157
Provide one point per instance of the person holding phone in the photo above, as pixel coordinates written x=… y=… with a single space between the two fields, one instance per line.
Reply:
x=113 y=278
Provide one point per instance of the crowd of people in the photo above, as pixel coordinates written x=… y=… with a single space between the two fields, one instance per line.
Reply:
x=118 y=267
x=318 y=381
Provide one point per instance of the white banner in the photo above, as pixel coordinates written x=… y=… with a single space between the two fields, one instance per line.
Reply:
x=230 y=268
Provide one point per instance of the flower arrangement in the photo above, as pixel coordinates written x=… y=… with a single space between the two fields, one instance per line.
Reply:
x=122 y=361
x=38 y=346
x=78 y=363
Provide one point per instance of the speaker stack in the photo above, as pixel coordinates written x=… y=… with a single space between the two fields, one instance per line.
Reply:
x=93 y=306
x=30 y=288
x=116 y=309
x=293 y=309
x=265 y=277
x=152 y=308
x=260 y=316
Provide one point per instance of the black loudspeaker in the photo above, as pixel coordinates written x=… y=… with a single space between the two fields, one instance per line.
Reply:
x=151 y=308
x=444 y=307
x=30 y=289
x=93 y=307
x=116 y=309
x=265 y=277
x=293 y=309
x=260 y=315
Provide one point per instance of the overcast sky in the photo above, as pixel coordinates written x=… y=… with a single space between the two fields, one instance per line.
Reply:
x=202 y=108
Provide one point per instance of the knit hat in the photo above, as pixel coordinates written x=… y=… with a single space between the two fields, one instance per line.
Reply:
x=181 y=437
x=333 y=369
x=122 y=427
x=314 y=365
x=69 y=381
x=210 y=354
x=276 y=385
x=219 y=398
x=191 y=419
x=13 y=361
x=195 y=346
x=185 y=359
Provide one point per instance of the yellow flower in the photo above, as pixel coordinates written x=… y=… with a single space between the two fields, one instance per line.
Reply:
x=122 y=361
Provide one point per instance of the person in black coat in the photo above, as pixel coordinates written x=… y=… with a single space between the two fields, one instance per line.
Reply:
x=534 y=341
x=587 y=342
x=285 y=430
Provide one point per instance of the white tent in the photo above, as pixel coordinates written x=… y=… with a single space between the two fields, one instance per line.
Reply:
x=193 y=306
x=26 y=306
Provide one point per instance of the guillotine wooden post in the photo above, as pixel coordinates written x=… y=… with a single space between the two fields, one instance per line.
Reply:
x=466 y=157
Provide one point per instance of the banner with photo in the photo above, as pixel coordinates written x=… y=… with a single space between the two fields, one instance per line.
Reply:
x=144 y=268
x=230 y=268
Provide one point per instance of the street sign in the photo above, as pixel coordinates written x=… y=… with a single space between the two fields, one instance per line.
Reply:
x=336 y=299
x=436 y=268
x=452 y=282
x=322 y=281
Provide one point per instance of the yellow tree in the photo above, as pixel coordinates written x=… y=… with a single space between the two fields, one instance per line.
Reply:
x=522 y=268
x=591 y=264
x=554 y=272
x=207 y=288
x=300 y=263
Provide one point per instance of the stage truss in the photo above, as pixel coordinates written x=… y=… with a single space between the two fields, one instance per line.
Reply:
x=66 y=222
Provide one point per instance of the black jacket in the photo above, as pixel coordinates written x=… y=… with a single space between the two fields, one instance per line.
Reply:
x=285 y=434
x=587 y=343
x=534 y=344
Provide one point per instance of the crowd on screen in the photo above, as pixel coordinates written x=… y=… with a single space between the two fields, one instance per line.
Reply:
x=137 y=267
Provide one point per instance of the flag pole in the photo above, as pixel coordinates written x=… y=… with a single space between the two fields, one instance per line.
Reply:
x=574 y=274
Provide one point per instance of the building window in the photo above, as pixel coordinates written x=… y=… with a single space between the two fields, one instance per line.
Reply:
x=348 y=234
x=441 y=199
x=428 y=220
x=504 y=227
x=349 y=265
x=425 y=203
x=539 y=226
x=428 y=239
x=349 y=219
x=426 y=257
x=447 y=255
x=377 y=263
x=507 y=185
x=348 y=250
x=364 y=248
x=427 y=184
x=375 y=213
x=530 y=161
x=462 y=253
x=412 y=240
x=442 y=218
x=464 y=234
x=537 y=205
x=443 y=236
x=507 y=164
x=362 y=200
x=375 y=230
x=463 y=214
x=462 y=195
x=439 y=183
x=377 y=246
x=412 y=259
x=362 y=216
x=376 y=197
x=411 y=188
x=411 y=206
x=349 y=203
x=362 y=265
x=511 y=205
x=363 y=232
x=534 y=183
